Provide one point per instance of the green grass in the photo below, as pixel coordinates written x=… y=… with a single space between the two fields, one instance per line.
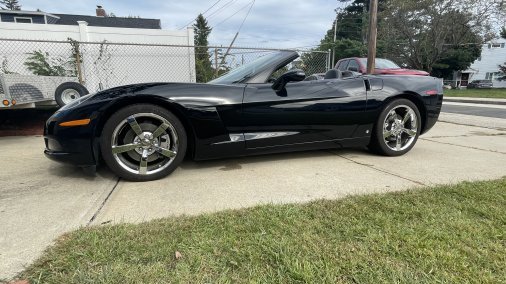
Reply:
x=477 y=93
x=445 y=234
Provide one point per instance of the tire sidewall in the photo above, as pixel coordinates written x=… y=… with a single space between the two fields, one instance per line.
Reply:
x=380 y=145
x=122 y=114
x=68 y=85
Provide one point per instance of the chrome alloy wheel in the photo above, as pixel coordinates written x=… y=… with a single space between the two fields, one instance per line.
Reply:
x=69 y=95
x=144 y=143
x=400 y=128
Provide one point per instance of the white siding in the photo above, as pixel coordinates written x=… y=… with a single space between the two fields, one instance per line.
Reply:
x=129 y=64
x=489 y=61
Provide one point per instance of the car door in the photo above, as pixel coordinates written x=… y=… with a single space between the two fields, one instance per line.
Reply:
x=309 y=111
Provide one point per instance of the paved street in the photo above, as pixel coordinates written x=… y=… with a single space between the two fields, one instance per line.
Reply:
x=40 y=199
x=487 y=110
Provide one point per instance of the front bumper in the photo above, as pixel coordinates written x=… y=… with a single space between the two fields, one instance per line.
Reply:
x=433 y=105
x=71 y=145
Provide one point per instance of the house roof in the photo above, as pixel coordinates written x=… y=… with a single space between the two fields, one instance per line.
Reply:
x=114 y=22
x=27 y=13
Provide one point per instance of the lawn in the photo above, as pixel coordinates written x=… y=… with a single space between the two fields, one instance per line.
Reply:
x=444 y=234
x=477 y=93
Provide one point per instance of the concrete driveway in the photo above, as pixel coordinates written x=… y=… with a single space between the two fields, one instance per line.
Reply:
x=40 y=199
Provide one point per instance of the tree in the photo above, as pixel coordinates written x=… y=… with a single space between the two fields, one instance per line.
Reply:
x=350 y=33
x=203 y=67
x=502 y=68
x=10 y=5
x=42 y=64
x=424 y=33
x=502 y=72
x=456 y=58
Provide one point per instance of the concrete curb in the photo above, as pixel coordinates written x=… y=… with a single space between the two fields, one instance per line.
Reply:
x=475 y=101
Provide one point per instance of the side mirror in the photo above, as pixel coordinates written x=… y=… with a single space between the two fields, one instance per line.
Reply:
x=295 y=75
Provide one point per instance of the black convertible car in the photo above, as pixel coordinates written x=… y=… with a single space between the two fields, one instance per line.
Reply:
x=144 y=131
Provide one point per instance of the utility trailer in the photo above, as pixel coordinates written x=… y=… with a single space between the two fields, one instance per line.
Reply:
x=28 y=91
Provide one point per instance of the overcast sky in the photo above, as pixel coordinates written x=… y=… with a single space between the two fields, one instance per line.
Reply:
x=271 y=23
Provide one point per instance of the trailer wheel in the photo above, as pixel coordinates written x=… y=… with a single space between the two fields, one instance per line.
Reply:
x=69 y=92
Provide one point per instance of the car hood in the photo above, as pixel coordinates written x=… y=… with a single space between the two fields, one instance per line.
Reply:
x=189 y=94
x=400 y=71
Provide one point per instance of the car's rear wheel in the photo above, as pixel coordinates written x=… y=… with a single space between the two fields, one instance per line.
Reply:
x=397 y=128
x=143 y=142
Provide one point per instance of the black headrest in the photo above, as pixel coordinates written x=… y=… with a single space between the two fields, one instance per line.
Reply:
x=333 y=74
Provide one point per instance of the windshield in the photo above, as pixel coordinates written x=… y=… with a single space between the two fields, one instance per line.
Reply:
x=240 y=73
x=381 y=63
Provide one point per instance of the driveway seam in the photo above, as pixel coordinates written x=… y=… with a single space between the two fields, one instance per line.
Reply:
x=471 y=125
x=465 y=135
x=103 y=203
x=468 y=147
x=379 y=170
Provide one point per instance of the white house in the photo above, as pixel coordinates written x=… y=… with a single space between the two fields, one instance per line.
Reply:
x=486 y=67
x=143 y=54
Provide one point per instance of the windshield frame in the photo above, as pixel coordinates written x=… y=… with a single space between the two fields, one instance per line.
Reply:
x=258 y=70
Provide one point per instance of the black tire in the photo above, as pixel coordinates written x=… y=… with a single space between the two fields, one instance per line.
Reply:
x=119 y=165
x=378 y=144
x=77 y=89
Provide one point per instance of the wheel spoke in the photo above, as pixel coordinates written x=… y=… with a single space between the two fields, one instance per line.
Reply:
x=124 y=148
x=143 y=167
x=134 y=125
x=160 y=130
x=410 y=132
x=166 y=152
x=409 y=115
x=398 y=143
x=387 y=134
x=392 y=113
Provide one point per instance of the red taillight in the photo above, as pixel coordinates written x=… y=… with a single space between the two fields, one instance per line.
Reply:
x=431 y=92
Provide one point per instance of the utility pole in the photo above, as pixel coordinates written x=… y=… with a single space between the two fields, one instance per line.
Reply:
x=216 y=61
x=227 y=52
x=334 y=47
x=371 y=42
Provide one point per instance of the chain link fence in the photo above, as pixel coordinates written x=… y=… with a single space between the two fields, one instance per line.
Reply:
x=102 y=65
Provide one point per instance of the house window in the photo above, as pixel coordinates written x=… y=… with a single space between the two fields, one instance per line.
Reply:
x=24 y=20
x=496 y=45
x=492 y=75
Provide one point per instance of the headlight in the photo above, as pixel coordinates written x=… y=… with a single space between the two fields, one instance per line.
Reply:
x=75 y=103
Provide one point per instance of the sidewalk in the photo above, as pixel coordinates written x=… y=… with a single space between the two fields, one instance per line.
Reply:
x=475 y=100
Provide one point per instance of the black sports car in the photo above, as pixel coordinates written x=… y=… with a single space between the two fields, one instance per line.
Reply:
x=143 y=131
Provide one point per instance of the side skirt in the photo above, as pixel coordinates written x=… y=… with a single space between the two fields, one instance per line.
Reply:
x=319 y=145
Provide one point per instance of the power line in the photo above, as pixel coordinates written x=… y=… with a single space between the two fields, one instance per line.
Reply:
x=236 y=12
x=221 y=8
x=218 y=1
x=247 y=14
x=211 y=7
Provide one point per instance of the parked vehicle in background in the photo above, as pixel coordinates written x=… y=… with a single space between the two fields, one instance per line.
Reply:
x=24 y=91
x=315 y=76
x=480 y=84
x=382 y=67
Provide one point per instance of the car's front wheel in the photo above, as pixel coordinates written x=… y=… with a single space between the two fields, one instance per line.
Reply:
x=143 y=142
x=397 y=128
